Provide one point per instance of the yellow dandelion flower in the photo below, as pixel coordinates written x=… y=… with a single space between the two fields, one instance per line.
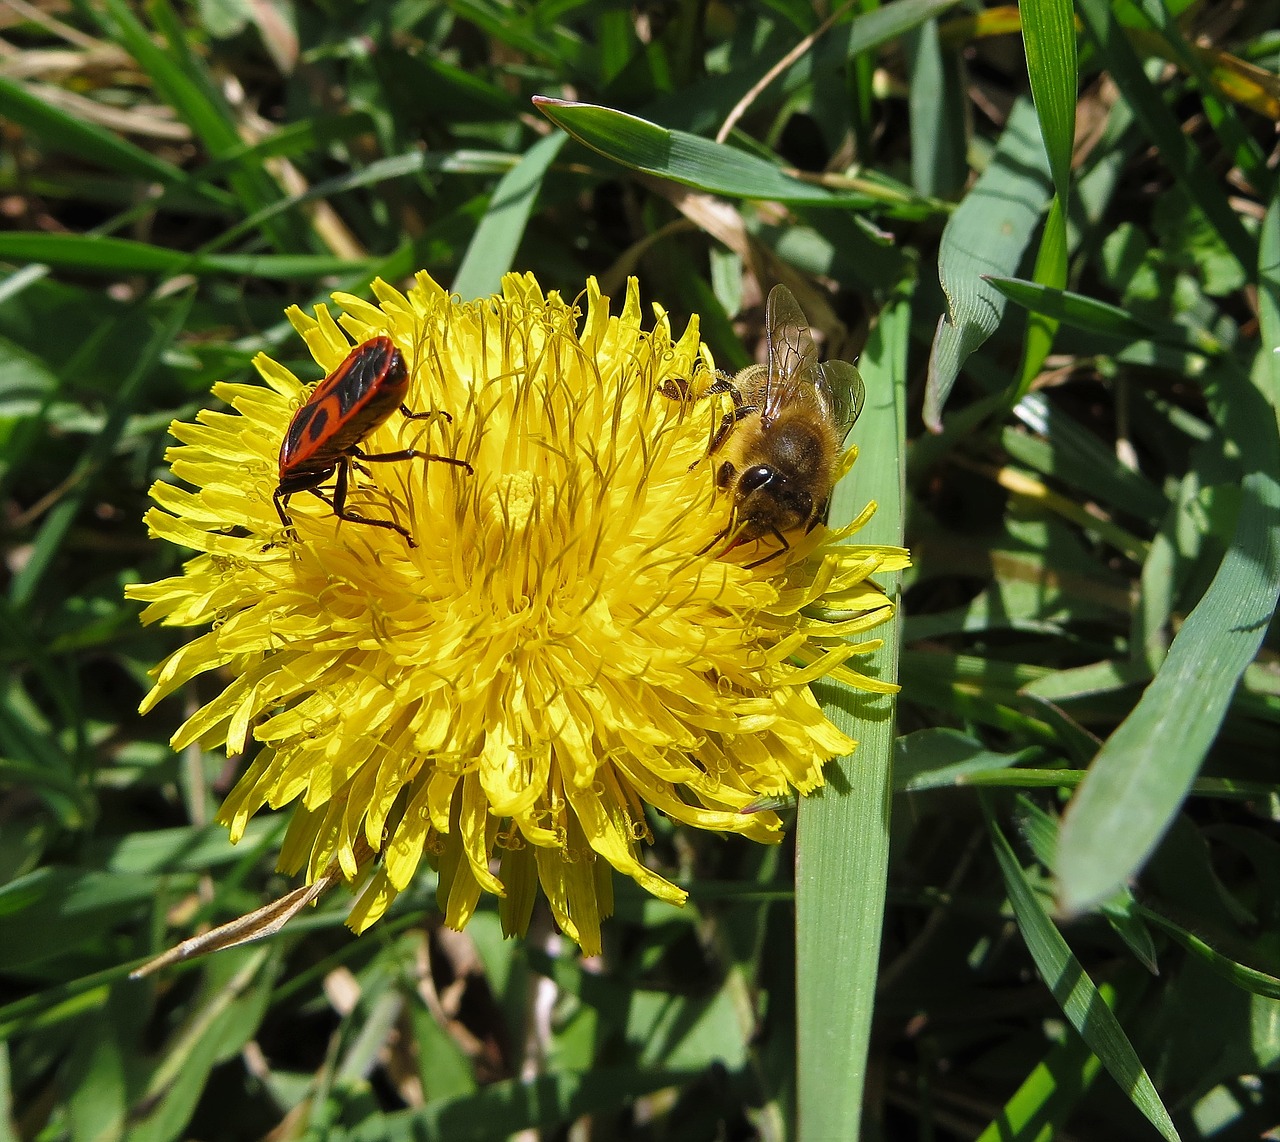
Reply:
x=558 y=649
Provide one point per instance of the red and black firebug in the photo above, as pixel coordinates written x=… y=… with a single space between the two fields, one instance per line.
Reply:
x=325 y=433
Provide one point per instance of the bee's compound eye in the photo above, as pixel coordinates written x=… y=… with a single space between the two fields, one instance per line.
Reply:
x=754 y=478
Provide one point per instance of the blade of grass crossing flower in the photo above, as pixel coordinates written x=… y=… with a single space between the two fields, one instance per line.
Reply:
x=1049 y=36
x=1144 y=770
x=493 y=246
x=1075 y=992
x=986 y=235
x=842 y=838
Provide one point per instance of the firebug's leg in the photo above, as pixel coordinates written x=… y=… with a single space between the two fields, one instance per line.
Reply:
x=383 y=457
x=339 y=505
x=431 y=415
x=280 y=499
x=410 y=454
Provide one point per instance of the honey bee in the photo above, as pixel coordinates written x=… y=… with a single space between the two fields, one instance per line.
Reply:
x=779 y=445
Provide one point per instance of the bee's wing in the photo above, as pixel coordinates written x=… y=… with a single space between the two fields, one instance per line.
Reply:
x=793 y=357
x=843 y=389
x=794 y=372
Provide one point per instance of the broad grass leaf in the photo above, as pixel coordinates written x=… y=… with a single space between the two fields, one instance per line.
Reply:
x=988 y=234
x=1145 y=769
x=687 y=159
x=492 y=250
x=842 y=838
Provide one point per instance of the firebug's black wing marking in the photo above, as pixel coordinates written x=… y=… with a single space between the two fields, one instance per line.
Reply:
x=345 y=407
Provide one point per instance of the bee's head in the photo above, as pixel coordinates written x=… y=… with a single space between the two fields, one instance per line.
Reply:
x=767 y=502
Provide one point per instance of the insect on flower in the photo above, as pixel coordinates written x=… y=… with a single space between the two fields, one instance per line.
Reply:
x=325 y=433
x=780 y=443
x=515 y=704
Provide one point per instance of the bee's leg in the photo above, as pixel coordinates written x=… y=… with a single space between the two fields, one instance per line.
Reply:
x=677 y=388
x=735 y=414
x=715 y=539
x=819 y=516
x=726 y=532
x=785 y=547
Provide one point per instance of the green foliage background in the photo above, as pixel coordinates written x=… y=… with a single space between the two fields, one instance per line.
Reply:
x=1052 y=236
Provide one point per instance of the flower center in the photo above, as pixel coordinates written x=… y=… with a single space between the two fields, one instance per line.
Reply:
x=509 y=504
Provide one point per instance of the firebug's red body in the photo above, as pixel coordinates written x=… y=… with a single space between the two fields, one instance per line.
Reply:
x=325 y=433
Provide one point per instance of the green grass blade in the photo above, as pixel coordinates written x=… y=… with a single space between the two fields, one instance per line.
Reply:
x=986 y=235
x=1144 y=770
x=1176 y=152
x=89 y=142
x=53 y=531
x=703 y=164
x=183 y=82
x=842 y=838
x=1075 y=992
x=1087 y=313
x=541 y=40
x=1041 y=1105
x=1049 y=34
x=1051 y=271
x=1244 y=977
x=123 y=256
x=1269 y=303
x=936 y=104
x=492 y=248
x=937 y=758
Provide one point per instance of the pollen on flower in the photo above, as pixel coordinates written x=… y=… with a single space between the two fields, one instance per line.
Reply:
x=559 y=653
